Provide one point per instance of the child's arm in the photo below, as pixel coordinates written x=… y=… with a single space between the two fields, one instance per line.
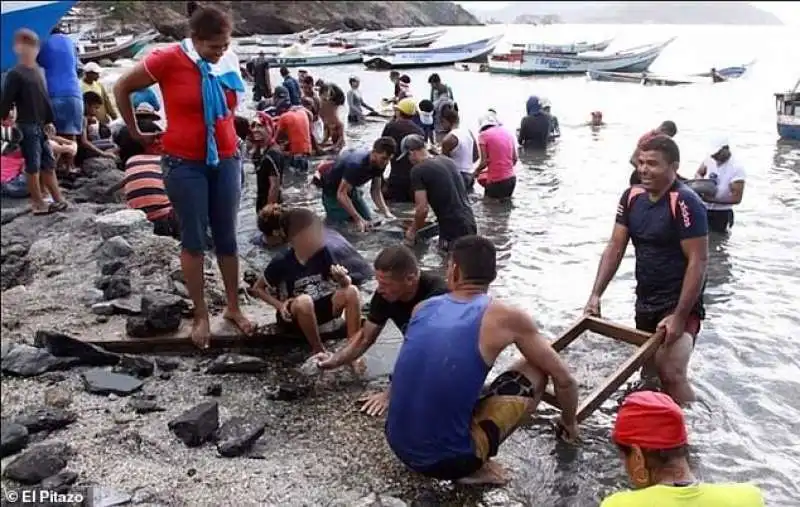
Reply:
x=262 y=292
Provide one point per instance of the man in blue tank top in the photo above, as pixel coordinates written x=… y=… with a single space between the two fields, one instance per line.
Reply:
x=442 y=422
x=668 y=225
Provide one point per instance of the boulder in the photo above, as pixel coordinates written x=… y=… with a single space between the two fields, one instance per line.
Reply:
x=104 y=187
x=137 y=366
x=136 y=327
x=112 y=267
x=26 y=361
x=167 y=363
x=13 y=272
x=99 y=381
x=97 y=165
x=60 y=482
x=163 y=312
x=92 y=297
x=114 y=248
x=236 y=363
x=114 y=286
x=38 y=463
x=238 y=435
x=46 y=419
x=62 y=345
x=197 y=425
x=5 y=348
x=122 y=222
x=13 y=438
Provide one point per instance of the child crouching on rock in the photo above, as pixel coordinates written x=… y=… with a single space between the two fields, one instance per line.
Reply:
x=96 y=137
x=304 y=284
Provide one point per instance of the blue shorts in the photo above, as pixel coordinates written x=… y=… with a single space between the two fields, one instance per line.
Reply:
x=68 y=112
x=204 y=196
x=35 y=148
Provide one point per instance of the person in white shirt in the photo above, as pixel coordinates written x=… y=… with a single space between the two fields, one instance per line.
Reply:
x=729 y=176
x=460 y=145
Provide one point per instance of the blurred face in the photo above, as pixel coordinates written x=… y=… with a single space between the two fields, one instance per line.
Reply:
x=379 y=159
x=258 y=132
x=354 y=84
x=309 y=239
x=654 y=170
x=416 y=156
x=722 y=155
x=308 y=88
x=212 y=50
x=92 y=109
x=26 y=51
x=91 y=77
x=396 y=288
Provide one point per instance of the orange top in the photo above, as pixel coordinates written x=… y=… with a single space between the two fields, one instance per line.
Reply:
x=295 y=125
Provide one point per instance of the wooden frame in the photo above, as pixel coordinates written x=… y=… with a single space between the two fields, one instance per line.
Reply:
x=648 y=344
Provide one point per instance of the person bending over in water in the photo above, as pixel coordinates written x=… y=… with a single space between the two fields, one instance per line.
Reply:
x=304 y=284
x=442 y=422
x=268 y=159
x=667 y=223
x=401 y=286
x=650 y=433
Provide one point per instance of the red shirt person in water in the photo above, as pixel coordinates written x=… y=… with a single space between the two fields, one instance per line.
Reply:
x=202 y=171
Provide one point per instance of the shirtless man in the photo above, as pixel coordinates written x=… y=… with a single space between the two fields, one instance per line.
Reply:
x=333 y=136
x=441 y=421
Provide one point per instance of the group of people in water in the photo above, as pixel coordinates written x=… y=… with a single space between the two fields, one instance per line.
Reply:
x=442 y=420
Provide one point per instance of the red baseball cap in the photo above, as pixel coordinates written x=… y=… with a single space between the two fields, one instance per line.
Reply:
x=650 y=420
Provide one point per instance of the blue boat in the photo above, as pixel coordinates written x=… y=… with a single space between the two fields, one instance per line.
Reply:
x=40 y=17
x=788 y=110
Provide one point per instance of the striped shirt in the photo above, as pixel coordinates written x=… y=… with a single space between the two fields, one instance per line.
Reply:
x=144 y=186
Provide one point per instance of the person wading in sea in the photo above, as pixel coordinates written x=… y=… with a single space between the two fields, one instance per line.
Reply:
x=401 y=286
x=667 y=128
x=461 y=146
x=650 y=433
x=726 y=171
x=397 y=187
x=442 y=422
x=667 y=223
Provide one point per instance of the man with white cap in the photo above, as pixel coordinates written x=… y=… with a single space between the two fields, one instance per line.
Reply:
x=728 y=174
x=91 y=83
x=437 y=184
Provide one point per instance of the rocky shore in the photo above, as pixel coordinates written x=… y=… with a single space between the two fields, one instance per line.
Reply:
x=288 y=17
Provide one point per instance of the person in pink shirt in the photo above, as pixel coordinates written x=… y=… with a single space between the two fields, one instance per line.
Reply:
x=498 y=157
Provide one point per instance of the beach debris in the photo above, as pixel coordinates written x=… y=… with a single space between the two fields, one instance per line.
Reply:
x=24 y=360
x=138 y=366
x=238 y=434
x=46 y=419
x=99 y=381
x=121 y=223
x=162 y=311
x=136 y=327
x=62 y=345
x=236 y=363
x=197 y=425
x=288 y=392
x=167 y=363
x=38 y=462
x=13 y=438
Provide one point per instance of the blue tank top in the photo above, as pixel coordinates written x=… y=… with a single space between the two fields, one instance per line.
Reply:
x=437 y=382
x=59 y=59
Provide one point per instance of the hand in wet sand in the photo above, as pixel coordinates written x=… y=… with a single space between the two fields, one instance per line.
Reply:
x=375 y=404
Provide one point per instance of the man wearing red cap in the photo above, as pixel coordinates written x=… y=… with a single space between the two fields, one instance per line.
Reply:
x=651 y=435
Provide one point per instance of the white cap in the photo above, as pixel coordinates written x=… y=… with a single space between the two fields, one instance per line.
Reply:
x=717 y=143
x=92 y=67
x=488 y=120
x=146 y=109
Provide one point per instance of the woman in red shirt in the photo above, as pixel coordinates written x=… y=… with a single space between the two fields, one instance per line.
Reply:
x=202 y=170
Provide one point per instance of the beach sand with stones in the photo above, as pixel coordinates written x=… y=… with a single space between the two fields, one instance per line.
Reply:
x=275 y=437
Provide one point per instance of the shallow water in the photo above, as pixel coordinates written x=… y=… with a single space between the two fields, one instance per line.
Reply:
x=745 y=369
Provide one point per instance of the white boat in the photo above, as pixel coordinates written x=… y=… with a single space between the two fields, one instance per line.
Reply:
x=299 y=37
x=421 y=40
x=303 y=56
x=431 y=57
x=637 y=59
x=365 y=39
x=788 y=109
x=563 y=49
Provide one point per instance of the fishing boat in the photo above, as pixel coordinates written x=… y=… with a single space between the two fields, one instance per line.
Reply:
x=421 y=40
x=299 y=37
x=788 y=110
x=126 y=46
x=303 y=56
x=647 y=78
x=637 y=59
x=431 y=57
x=40 y=17
x=364 y=39
x=561 y=49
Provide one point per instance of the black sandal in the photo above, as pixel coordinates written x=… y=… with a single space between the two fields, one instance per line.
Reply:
x=58 y=206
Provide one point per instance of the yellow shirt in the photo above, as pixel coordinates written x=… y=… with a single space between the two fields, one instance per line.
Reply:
x=701 y=495
x=107 y=111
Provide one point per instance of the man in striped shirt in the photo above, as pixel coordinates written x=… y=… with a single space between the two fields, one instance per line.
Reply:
x=144 y=190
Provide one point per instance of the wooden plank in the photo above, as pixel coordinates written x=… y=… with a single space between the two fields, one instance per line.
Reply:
x=621 y=375
x=570 y=334
x=616 y=331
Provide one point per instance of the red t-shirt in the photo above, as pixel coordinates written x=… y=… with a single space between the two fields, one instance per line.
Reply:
x=180 y=82
x=295 y=125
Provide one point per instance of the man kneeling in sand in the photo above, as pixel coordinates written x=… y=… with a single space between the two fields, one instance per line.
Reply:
x=442 y=422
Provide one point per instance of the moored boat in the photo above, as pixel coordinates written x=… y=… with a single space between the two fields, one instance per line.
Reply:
x=637 y=59
x=431 y=57
x=646 y=78
x=119 y=47
x=419 y=40
x=301 y=56
x=563 y=49
x=788 y=112
x=40 y=17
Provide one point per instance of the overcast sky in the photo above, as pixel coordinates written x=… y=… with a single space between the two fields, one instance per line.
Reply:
x=789 y=12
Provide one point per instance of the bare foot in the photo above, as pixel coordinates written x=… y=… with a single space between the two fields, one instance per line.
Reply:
x=201 y=333
x=237 y=318
x=490 y=474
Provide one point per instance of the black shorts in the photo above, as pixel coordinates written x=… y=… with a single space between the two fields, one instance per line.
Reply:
x=648 y=322
x=720 y=220
x=501 y=189
x=500 y=409
x=469 y=181
x=323 y=310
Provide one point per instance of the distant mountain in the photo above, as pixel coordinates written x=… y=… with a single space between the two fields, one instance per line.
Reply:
x=612 y=13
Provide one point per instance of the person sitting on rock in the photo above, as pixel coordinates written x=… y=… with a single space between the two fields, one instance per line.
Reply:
x=148 y=122
x=96 y=137
x=306 y=286
x=143 y=186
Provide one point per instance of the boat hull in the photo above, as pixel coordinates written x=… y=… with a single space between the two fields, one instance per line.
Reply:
x=789 y=128
x=433 y=57
x=40 y=17
x=634 y=60
x=313 y=61
x=638 y=78
x=128 y=50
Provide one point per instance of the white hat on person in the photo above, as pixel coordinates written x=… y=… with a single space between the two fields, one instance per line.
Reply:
x=92 y=67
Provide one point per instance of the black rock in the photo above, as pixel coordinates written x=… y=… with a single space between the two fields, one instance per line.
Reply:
x=61 y=345
x=137 y=366
x=237 y=435
x=214 y=389
x=136 y=326
x=197 y=425
x=38 y=463
x=115 y=248
x=60 y=482
x=288 y=392
x=165 y=375
x=14 y=438
x=163 y=311
x=167 y=363
x=98 y=381
x=115 y=286
x=15 y=272
x=46 y=419
x=113 y=267
x=236 y=363
x=26 y=361
x=141 y=406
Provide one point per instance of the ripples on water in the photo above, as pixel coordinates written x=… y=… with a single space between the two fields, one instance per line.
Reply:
x=745 y=368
